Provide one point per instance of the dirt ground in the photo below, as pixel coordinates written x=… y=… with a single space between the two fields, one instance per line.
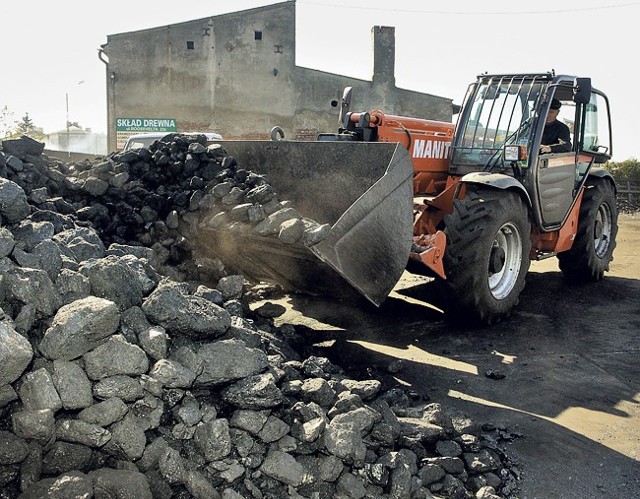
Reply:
x=567 y=384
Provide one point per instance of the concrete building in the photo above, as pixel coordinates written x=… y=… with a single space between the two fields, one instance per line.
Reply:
x=236 y=74
x=75 y=139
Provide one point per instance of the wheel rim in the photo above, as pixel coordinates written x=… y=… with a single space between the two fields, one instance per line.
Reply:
x=507 y=242
x=602 y=230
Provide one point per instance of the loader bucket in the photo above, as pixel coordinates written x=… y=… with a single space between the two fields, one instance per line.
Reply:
x=362 y=190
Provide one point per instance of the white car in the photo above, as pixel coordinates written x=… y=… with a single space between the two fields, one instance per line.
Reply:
x=141 y=140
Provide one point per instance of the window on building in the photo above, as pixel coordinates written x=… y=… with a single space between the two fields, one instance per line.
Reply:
x=257 y=35
x=190 y=45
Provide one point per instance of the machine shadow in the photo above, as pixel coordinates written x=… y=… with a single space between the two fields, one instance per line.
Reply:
x=542 y=447
x=562 y=339
x=561 y=372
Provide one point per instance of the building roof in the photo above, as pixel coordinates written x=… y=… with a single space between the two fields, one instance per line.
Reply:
x=73 y=130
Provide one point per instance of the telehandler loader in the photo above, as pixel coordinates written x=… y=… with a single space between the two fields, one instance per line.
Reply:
x=471 y=205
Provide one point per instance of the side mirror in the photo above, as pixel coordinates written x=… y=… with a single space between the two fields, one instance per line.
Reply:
x=582 y=90
x=345 y=105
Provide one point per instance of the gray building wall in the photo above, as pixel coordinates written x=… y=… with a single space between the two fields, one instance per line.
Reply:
x=236 y=74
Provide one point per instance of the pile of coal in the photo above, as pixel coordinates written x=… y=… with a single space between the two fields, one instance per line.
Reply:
x=155 y=197
x=117 y=380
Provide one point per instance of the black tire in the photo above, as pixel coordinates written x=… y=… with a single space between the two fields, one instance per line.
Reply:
x=592 y=250
x=487 y=255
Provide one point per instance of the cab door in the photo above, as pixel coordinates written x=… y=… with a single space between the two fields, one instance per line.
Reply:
x=557 y=174
x=561 y=176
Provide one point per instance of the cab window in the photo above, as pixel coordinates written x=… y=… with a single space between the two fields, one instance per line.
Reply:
x=597 y=138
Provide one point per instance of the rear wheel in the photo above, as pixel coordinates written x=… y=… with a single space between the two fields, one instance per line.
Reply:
x=592 y=250
x=487 y=254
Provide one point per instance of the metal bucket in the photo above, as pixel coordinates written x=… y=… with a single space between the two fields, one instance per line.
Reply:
x=362 y=190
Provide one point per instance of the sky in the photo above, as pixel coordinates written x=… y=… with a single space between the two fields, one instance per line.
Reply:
x=49 y=66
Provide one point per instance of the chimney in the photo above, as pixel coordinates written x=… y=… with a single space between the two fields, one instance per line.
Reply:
x=384 y=54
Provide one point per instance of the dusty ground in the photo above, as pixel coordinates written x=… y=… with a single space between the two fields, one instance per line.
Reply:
x=569 y=357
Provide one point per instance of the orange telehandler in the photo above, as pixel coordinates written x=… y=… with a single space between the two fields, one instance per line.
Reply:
x=470 y=204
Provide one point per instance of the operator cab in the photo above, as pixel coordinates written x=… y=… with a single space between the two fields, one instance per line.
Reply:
x=504 y=110
x=500 y=131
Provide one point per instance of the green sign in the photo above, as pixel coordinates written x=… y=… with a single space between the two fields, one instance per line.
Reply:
x=146 y=125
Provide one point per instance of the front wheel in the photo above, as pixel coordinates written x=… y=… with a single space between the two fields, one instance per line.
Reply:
x=592 y=250
x=487 y=255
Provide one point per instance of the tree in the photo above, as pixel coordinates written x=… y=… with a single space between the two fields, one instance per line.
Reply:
x=27 y=127
x=11 y=129
x=7 y=122
x=625 y=170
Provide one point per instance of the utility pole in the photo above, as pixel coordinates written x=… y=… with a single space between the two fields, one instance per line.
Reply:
x=68 y=122
x=68 y=134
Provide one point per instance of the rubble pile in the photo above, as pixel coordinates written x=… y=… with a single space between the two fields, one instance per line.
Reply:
x=117 y=380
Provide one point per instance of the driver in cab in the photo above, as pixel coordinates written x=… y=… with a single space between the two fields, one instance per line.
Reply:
x=556 y=136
